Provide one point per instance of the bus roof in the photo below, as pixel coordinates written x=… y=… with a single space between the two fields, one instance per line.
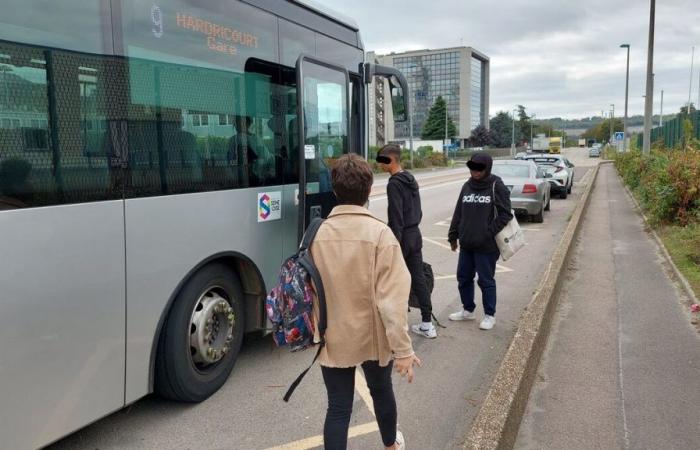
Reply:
x=328 y=12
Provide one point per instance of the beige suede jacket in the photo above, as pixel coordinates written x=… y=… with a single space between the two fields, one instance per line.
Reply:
x=367 y=286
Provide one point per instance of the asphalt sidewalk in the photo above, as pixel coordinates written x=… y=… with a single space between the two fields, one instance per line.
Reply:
x=622 y=366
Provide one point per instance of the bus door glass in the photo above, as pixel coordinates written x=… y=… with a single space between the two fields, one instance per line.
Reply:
x=323 y=130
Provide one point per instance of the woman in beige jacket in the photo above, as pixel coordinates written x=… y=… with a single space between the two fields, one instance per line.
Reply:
x=367 y=286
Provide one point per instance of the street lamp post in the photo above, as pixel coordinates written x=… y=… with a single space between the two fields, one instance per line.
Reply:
x=448 y=151
x=410 y=128
x=661 y=115
x=690 y=85
x=648 y=100
x=627 y=92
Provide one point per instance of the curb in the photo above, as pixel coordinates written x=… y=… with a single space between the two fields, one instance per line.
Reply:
x=676 y=271
x=498 y=421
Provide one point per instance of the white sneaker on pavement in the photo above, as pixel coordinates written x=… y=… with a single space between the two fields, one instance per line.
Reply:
x=400 y=443
x=462 y=315
x=430 y=333
x=487 y=323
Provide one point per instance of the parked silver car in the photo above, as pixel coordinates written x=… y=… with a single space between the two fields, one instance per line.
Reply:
x=529 y=189
x=560 y=172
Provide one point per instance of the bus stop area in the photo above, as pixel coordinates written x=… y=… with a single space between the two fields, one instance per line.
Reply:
x=436 y=411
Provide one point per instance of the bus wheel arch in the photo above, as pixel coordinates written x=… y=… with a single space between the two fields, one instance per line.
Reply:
x=224 y=287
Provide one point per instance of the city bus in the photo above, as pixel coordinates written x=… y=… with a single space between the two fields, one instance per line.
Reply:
x=158 y=160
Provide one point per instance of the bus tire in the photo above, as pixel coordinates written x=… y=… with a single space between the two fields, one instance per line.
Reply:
x=202 y=335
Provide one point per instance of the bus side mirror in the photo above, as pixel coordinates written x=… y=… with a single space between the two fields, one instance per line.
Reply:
x=398 y=100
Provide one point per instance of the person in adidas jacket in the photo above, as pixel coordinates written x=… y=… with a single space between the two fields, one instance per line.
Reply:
x=482 y=211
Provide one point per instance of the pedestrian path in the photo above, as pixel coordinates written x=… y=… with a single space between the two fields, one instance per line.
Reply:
x=622 y=366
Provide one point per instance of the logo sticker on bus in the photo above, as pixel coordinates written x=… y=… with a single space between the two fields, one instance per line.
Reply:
x=269 y=206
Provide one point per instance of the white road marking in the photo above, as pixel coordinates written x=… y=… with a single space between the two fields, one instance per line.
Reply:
x=436 y=186
x=443 y=223
x=499 y=268
x=317 y=441
x=439 y=244
x=363 y=390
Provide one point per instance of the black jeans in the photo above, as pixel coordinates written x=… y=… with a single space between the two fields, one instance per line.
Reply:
x=412 y=249
x=484 y=264
x=340 y=385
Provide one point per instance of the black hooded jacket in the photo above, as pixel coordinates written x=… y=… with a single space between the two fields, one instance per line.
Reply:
x=404 y=203
x=474 y=222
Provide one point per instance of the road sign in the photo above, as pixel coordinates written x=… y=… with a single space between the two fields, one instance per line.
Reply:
x=619 y=136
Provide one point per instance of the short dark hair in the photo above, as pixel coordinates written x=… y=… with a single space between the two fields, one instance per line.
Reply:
x=391 y=150
x=351 y=177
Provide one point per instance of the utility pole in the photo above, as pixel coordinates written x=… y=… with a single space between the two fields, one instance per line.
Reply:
x=690 y=85
x=648 y=100
x=512 y=139
x=612 y=123
x=627 y=93
x=661 y=116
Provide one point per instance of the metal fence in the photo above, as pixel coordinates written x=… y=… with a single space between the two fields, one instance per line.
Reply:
x=672 y=131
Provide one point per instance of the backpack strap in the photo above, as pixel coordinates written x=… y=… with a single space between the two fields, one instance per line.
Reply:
x=310 y=233
x=301 y=376
x=307 y=263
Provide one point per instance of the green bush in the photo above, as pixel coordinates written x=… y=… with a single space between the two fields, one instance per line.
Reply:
x=666 y=182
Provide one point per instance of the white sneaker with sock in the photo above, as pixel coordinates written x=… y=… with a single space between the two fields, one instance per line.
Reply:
x=462 y=315
x=487 y=323
x=400 y=443
x=425 y=329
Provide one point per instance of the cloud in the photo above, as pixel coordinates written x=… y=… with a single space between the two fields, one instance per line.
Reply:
x=556 y=58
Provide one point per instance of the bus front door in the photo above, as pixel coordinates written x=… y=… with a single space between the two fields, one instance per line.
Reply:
x=324 y=117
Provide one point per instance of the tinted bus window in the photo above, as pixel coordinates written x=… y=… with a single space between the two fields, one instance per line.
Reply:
x=193 y=129
x=339 y=53
x=295 y=40
x=53 y=128
x=69 y=24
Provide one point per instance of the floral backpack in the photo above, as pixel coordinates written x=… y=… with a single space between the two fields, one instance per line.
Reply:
x=289 y=305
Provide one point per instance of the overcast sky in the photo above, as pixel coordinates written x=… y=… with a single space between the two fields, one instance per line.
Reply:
x=556 y=57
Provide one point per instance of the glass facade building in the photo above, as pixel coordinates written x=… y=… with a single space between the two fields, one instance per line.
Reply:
x=459 y=75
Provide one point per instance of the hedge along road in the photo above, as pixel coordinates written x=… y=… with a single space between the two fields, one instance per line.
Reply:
x=434 y=412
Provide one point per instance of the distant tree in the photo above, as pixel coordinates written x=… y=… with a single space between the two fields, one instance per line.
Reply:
x=481 y=136
x=684 y=109
x=434 y=127
x=501 y=129
x=601 y=132
x=522 y=133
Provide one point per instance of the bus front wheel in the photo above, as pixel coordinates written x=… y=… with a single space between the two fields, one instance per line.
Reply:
x=202 y=336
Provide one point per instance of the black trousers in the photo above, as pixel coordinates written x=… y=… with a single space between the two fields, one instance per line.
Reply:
x=340 y=385
x=412 y=249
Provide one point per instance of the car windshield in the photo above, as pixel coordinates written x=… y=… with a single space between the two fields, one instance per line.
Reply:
x=511 y=170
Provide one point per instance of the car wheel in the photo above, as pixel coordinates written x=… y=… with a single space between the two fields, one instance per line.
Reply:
x=570 y=187
x=547 y=206
x=538 y=218
x=564 y=194
x=201 y=337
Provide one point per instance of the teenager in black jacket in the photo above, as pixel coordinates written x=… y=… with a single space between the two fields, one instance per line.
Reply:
x=405 y=214
x=474 y=226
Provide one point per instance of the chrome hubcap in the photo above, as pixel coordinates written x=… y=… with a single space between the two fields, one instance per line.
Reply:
x=211 y=328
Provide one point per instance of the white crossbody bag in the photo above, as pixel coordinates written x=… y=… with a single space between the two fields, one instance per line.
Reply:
x=510 y=239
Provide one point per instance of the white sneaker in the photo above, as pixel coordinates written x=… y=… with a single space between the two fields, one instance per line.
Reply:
x=400 y=443
x=487 y=323
x=463 y=315
x=430 y=333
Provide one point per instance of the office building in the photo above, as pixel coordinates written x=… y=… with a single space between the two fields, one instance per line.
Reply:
x=460 y=75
